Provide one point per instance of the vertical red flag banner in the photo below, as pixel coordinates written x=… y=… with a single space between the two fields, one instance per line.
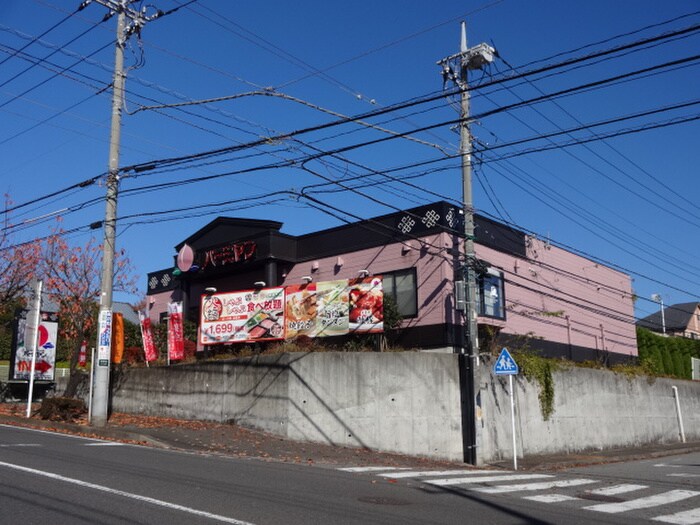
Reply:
x=149 y=348
x=82 y=356
x=176 y=338
x=117 y=337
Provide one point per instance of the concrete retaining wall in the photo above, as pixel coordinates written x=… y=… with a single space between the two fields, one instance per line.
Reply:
x=593 y=410
x=409 y=403
x=397 y=402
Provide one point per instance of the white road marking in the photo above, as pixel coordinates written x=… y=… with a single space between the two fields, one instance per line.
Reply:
x=617 y=489
x=445 y=482
x=370 y=469
x=550 y=498
x=545 y=485
x=664 y=498
x=6 y=445
x=58 y=434
x=429 y=473
x=105 y=444
x=687 y=517
x=102 y=488
x=669 y=466
x=684 y=475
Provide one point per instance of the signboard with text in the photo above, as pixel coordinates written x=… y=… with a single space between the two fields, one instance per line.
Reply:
x=323 y=309
x=47 y=337
x=253 y=315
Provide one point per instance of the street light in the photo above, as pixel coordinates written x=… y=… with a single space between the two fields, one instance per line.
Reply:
x=657 y=298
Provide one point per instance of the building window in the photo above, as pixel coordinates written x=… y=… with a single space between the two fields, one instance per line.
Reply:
x=401 y=287
x=491 y=300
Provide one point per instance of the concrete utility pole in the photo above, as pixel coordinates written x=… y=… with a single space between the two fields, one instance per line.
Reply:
x=137 y=19
x=455 y=68
x=100 y=391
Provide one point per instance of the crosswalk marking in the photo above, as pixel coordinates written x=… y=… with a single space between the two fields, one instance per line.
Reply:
x=671 y=496
x=686 y=517
x=496 y=478
x=551 y=498
x=429 y=473
x=545 y=485
x=483 y=479
x=617 y=489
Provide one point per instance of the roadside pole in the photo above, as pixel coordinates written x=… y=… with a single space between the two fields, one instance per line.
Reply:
x=455 y=69
x=512 y=421
x=678 y=413
x=100 y=394
x=33 y=340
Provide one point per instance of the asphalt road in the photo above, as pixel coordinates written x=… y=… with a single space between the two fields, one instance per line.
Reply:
x=62 y=479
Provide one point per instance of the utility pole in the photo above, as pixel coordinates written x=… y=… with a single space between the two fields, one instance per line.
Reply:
x=455 y=68
x=137 y=19
x=100 y=391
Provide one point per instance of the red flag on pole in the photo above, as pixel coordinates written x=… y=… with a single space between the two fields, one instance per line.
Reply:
x=149 y=348
x=82 y=357
x=176 y=339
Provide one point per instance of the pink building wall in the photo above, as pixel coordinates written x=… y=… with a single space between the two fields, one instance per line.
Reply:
x=553 y=294
x=559 y=296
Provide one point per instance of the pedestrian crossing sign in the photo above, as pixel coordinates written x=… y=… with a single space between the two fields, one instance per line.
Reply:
x=505 y=364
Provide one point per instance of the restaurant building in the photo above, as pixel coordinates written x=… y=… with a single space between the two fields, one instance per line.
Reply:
x=532 y=294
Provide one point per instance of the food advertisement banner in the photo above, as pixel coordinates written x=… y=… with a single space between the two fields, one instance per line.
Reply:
x=254 y=315
x=300 y=311
x=45 y=351
x=366 y=304
x=323 y=309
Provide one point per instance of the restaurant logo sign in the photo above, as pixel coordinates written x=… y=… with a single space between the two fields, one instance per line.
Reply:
x=229 y=254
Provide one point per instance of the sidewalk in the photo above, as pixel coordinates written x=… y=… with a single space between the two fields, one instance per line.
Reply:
x=236 y=441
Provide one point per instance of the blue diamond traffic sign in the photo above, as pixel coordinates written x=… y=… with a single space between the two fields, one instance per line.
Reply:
x=505 y=364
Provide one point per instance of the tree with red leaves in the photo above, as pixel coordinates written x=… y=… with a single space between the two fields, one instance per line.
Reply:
x=72 y=279
x=18 y=263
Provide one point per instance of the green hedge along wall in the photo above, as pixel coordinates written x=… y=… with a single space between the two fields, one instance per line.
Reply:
x=667 y=356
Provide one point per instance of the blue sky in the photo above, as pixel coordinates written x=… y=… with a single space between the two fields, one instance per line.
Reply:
x=631 y=199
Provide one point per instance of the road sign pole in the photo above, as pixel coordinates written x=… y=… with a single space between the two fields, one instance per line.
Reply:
x=33 y=343
x=512 y=420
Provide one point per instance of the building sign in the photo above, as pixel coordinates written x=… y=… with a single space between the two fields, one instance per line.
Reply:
x=47 y=337
x=229 y=254
x=323 y=309
x=254 y=315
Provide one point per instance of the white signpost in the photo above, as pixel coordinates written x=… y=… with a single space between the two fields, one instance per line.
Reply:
x=506 y=365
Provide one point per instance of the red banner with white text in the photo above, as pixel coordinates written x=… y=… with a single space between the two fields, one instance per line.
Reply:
x=149 y=347
x=176 y=338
